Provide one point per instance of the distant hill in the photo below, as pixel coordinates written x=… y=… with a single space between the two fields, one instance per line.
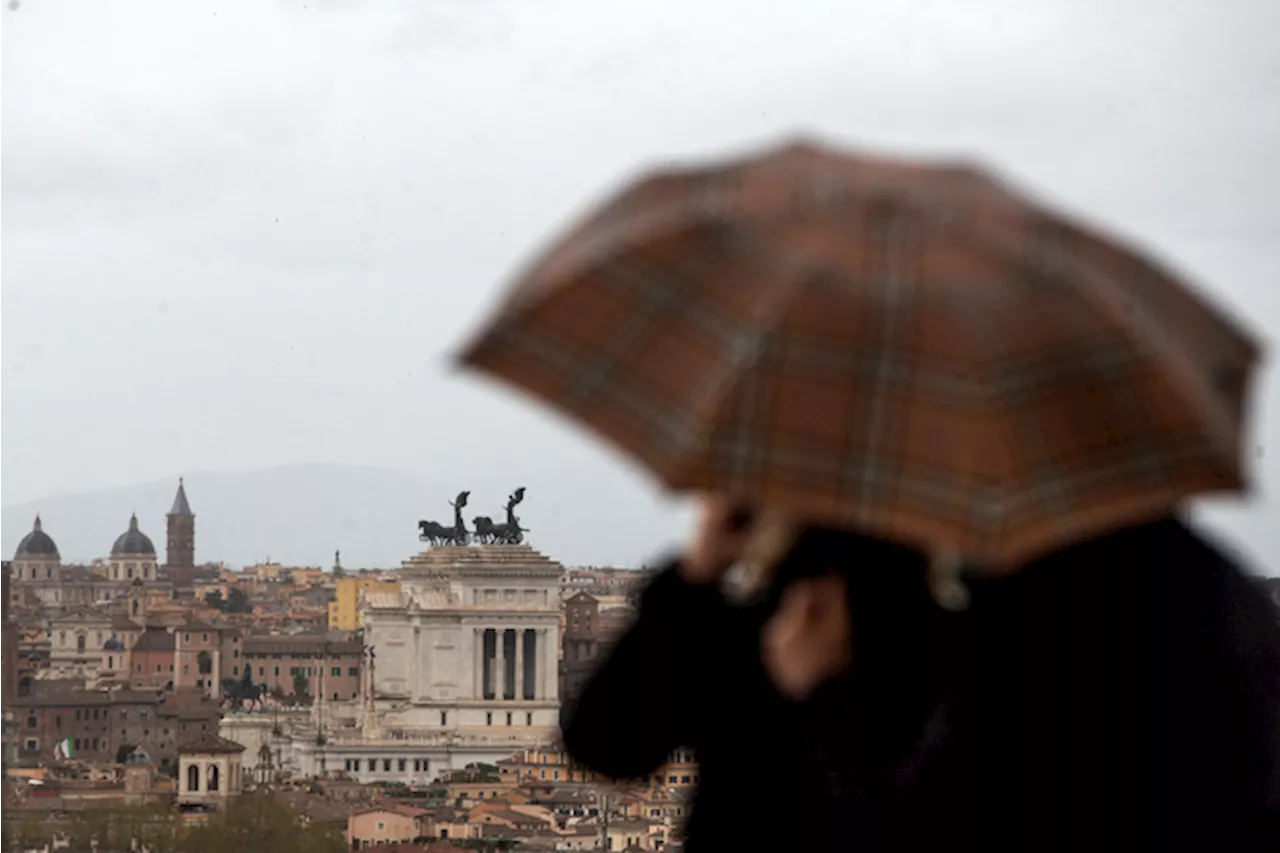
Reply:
x=301 y=514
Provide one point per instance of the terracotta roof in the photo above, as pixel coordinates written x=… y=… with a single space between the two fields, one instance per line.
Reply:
x=154 y=640
x=518 y=818
x=210 y=744
x=299 y=644
x=120 y=622
x=395 y=808
x=87 y=698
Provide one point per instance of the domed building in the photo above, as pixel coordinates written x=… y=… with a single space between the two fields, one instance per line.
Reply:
x=114 y=657
x=133 y=556
x=37 y=557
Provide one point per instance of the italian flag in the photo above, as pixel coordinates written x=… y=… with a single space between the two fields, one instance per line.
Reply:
x=63 y=750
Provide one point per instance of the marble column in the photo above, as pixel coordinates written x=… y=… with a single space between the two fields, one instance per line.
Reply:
x=499 y=663
x=519 y=670
x=477 y=641
x=546 y=664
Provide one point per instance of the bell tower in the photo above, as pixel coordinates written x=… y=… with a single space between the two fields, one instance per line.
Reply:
x=180 y=548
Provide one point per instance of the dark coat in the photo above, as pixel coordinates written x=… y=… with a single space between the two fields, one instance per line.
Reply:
x=688 y=673
x=1122 y=694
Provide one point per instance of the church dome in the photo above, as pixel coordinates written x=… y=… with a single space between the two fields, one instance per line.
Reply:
x=113 y=645
x=37 y=544
x=133 y=541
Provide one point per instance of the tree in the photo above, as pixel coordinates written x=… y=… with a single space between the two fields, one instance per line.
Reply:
x=215 y=600
x=478 y=771
x=119 y=827
x=238 y=601
x=259 y=822
x=123 y=753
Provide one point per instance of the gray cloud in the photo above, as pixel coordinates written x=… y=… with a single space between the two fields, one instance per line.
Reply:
x=247 y=234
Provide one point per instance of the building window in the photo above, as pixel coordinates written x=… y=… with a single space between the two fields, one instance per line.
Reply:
x=336 y=671
x=508 y=718
x=488 y=718
x=32 y=744
x=351 y=670
x=262 y=671
x=444 y=718
x=235 y=670
x=386 y=765
x=213 y=777
x=31 y=721
x=186 y=638
x=528 y=719
x=403 y=765
x=193 y=777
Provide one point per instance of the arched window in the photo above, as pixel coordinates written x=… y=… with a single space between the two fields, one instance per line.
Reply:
x=193 y=777
x=135 y=607
x=213 y=777
x=80 y=642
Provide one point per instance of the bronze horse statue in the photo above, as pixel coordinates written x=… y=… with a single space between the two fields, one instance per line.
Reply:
x=437 y=534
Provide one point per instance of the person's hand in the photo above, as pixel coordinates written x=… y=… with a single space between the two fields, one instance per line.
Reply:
x=810 y=638
x=718 y=541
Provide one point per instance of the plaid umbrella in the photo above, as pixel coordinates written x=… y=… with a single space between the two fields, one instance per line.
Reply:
x=914 y=350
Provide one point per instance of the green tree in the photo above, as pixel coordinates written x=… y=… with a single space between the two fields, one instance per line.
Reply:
x=123 y=753
x=258 y=822
x=118 y=827
x=214 y=599
x=238 y=601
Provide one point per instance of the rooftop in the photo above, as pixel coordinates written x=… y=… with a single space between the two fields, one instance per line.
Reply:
x=465 y=559
x=210 y=744
x=180 y=506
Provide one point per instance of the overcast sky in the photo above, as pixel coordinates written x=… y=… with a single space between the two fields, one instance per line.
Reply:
x=240 y=234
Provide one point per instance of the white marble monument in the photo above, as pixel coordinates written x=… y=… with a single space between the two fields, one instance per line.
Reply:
x=464 y=666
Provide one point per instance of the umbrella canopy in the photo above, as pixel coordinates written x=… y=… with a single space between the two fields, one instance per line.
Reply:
x=915 y=350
